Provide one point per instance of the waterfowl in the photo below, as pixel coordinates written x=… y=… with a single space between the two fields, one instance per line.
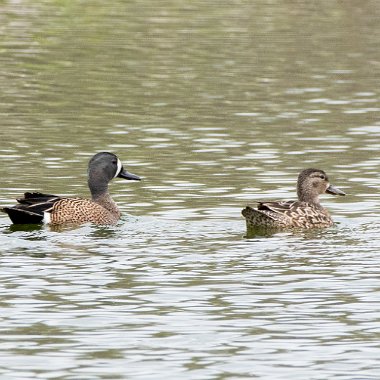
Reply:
x=306 y=212
x=101 y=209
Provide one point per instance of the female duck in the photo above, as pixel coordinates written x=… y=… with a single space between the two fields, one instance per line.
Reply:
x=306 y=212
x=101 y=209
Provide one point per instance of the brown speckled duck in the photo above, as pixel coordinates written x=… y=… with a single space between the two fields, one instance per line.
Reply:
x=306 y=212
x=55 y=210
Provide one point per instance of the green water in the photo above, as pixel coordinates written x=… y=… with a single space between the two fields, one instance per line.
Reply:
x=215 y=105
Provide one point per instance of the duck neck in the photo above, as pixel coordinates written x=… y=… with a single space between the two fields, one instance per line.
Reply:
x=100 y=195
x=304 y=195
x=108 y=203
x=97 y=188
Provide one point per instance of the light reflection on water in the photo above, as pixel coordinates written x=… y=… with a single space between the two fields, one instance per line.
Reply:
x=133 y=299
x=211 y=121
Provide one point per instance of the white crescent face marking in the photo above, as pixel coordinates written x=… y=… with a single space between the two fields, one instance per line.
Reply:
x=119 y=166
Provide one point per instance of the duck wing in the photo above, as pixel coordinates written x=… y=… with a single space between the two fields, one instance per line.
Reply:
x=270 y=214
x=280 y=207
x=30 y=209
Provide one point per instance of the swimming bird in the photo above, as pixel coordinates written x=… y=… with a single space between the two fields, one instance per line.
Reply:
x=306 y=212
x=37 y=207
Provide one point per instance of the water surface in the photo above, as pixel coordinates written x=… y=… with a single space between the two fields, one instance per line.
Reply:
x=215 y=106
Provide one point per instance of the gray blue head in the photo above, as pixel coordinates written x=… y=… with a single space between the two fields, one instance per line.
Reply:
x=102 y=168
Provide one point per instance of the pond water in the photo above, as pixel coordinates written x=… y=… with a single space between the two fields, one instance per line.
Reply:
x=214 y=105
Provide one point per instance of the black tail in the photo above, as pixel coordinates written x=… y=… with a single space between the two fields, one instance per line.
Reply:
x=31 y=208
x=23 y=216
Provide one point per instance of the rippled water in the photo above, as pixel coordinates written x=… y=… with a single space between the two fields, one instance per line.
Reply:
x=215 y=106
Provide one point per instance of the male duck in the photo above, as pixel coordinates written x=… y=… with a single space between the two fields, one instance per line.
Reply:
x=101 y=209
x=306 y=212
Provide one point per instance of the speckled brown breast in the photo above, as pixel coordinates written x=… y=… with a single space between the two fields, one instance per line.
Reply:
x=78 y=211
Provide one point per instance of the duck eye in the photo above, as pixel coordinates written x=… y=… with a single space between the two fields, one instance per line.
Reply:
x=322 y=176
x=114 y=162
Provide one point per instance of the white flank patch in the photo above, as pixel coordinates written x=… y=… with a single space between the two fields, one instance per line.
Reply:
x=46 y=219
x=119 y=166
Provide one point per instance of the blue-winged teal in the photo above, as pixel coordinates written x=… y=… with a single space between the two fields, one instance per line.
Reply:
x=52 y=209
x=306 y=212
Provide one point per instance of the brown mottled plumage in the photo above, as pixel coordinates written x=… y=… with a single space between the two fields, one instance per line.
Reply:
x=306 y=212
x=55 y=210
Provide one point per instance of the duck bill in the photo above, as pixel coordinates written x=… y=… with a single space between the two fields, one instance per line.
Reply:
x=334 y=191
x=126 y=175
